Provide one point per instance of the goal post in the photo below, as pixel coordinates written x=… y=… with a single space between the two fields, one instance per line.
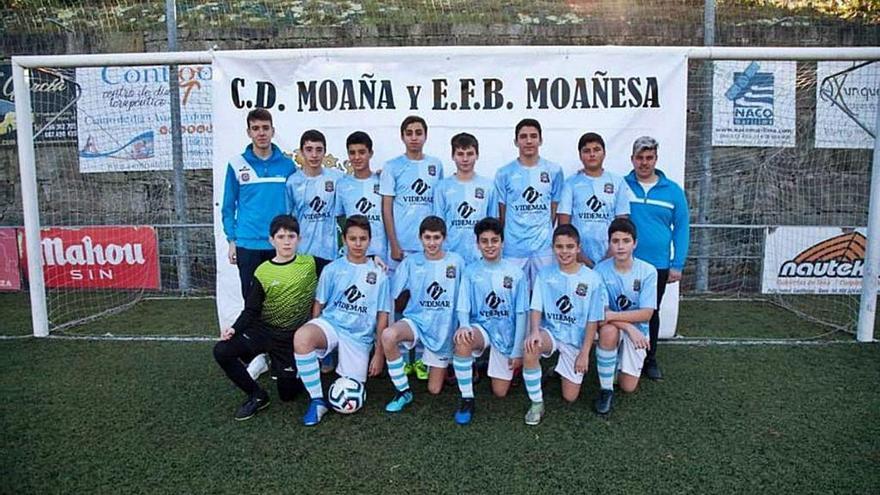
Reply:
x=28 y=159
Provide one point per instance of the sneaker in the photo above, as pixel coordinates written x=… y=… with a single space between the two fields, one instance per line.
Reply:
x=603 y=403
x=255 y=403
x=465 y=412
x=421 y=370
x=535 y=413
x=258 y=366
x=317 y=409
x=409 y=369
x=652 y=371
x=401 y=400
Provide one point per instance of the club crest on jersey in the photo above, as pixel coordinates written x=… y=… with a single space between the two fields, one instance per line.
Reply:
x=376 y=188
x=245 y=177
x=581 y=290
x=545 y=177
x=609 y=188
x=371 y=278
x=432 y=170
x=328 y=186
x=637 y=285
x=479 y=193
x=507 y=282
x=450 y=271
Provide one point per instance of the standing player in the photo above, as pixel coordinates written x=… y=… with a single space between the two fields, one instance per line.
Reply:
x=277 y=303
x=353 y=303
x=253 y=195
x=359 y=194
x=592 y=198
x=631 y=286
x=528 y=191
x=311 y=198
x=660 y=213
x=492 y=305
x=463 y=199
x=432 y=278
x=567 y=305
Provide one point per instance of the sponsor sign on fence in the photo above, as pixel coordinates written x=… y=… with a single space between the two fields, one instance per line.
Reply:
x=753 y=104
x=10 y=273
x=846 y=104
x=52 y=97
x=119 y=257
x=814 y=260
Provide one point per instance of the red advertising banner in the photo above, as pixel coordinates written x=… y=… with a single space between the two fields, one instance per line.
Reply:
x=119 y=257
x=10 y=274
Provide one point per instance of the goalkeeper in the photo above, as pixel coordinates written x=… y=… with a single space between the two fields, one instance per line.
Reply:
x=278 y=302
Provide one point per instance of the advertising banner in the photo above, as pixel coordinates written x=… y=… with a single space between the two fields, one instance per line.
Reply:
x=52 y=97
x=753 y=104
x=10 y=271
x=621 y=93
x=846 y=104
x=814 y=260
x=124 y=118
x=117 y=257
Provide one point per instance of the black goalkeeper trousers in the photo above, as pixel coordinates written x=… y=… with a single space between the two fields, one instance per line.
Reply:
x=233 y=355
x=654 y=324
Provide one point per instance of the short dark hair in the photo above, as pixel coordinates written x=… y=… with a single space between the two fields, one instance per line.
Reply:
x=489 y=224
x=434 y=224
x=314 y=136
x=359 y=137
x=464 y=140
x=413 y=119
x=359 y=221
x=258 y=114
x=590 y=137
x=624 y=225
x=285 y=222
x=527 y=123
x=569 y=230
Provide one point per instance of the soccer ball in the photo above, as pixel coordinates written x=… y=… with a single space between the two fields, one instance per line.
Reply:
x=347 y=396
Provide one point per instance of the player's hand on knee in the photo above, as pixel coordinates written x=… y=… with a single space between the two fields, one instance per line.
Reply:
x=376 y=365
x=640 y=341
x=582 y=362
x=514 y=364
x=533 y=343
x=227 y=333
x=462 y=336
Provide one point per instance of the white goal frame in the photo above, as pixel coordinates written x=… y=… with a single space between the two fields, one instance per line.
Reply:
x=27 y=165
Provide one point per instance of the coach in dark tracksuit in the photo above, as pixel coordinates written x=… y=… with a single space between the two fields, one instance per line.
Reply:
x=659 y=210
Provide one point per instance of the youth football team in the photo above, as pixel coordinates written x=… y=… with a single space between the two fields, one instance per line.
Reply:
x=524 y=266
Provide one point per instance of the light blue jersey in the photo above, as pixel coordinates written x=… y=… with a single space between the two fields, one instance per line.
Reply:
x=592 y=203
x=351 y=295
x=636 y=289
x=433 y=288
x=412 y=184
x=312 y=200
x=493 y=295
x=568 y=301
x=461 y=205
x=527 y=193
x=361 y=197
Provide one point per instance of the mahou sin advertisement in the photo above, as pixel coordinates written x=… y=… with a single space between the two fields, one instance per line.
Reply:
x=117 y=257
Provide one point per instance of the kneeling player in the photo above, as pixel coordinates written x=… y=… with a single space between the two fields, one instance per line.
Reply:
x=631 y=285
x=432 y=278
x=567 y=306
x=277 y=303
x=492 y=303
x=353 y=303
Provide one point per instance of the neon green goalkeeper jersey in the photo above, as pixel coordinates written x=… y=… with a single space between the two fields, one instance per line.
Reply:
x=281 y=295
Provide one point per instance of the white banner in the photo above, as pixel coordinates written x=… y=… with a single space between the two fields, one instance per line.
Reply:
x=753 y=104
x=846 y=104
x=813 y=260
x=621 y=93
x=124 y=118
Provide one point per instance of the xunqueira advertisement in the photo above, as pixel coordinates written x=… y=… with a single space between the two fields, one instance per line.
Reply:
x=814 y=260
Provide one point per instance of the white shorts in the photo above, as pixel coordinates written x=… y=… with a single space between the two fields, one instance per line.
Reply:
x=429 y=357
x=499 y=364
x=533 y=264
x=353 y=360
x=629 y=359
x=567 y=356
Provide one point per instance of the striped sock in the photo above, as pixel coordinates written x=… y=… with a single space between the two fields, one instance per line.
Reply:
x=532 y=379
x=606 y=365
x=464 y=374
x=398 y=377
x=310 y=373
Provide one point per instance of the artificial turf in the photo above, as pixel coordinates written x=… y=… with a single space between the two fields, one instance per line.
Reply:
x=151 y=417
